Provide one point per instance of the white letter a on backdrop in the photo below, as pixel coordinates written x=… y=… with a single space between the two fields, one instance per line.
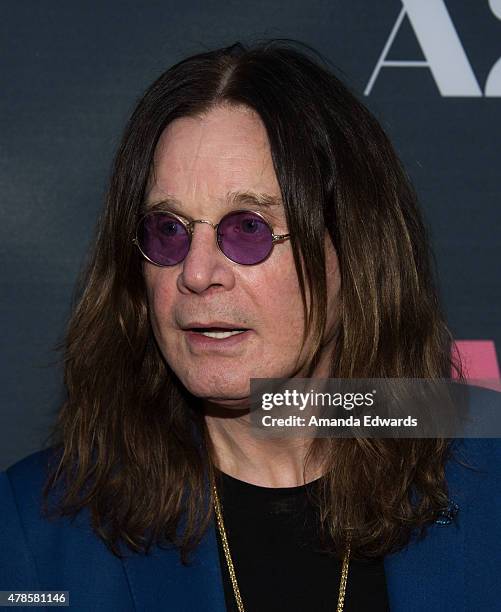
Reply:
x=439 y=41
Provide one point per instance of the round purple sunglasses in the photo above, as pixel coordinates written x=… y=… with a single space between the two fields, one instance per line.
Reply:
x=243 y=236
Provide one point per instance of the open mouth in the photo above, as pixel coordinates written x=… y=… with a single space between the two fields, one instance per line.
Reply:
x=214 y=332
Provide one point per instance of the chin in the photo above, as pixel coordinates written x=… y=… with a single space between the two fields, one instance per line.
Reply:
x=218 y=389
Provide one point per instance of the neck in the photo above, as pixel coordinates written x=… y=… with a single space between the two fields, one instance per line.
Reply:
x=278 y=462
x=267 y=463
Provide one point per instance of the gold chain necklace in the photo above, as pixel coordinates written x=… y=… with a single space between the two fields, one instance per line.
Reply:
x=231 y=569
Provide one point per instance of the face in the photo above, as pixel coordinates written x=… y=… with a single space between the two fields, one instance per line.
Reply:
x=198 y=163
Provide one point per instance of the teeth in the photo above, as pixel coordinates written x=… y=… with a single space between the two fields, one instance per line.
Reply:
x=221 y=334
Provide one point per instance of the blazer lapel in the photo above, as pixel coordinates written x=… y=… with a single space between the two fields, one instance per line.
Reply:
x=158 y=581
x=428 y=575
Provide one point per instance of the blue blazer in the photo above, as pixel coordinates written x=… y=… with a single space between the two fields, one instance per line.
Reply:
x=456 y=567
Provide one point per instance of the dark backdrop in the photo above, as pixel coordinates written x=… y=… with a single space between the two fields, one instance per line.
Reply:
x=72 y=71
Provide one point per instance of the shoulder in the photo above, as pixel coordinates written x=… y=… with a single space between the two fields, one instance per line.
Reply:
x=23 y=483
x=31 y=471
x=481 y=446
x=458 y=560
x=19 y=487
x=37 y=552
x=473 y=472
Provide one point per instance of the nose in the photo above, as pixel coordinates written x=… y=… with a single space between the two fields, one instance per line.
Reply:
x=205 y=266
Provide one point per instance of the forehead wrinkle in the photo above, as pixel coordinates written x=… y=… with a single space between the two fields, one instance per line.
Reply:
x=164 y=149
x=202 y=128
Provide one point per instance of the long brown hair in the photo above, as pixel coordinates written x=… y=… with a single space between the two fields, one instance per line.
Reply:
x=131 y=440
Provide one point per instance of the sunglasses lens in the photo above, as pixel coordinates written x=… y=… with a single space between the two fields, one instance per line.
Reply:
x=244 y=237
x=163 y=239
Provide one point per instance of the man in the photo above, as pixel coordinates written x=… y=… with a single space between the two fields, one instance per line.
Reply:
x=258 y=225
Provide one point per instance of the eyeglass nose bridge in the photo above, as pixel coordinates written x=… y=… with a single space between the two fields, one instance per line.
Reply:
x=191 y=224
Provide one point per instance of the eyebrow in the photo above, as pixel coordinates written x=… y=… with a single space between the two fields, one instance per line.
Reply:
x=233 y=199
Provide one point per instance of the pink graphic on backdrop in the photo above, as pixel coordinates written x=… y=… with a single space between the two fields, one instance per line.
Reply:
x=480 y=362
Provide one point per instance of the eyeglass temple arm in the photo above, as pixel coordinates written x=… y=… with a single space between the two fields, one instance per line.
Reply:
x=277 y=237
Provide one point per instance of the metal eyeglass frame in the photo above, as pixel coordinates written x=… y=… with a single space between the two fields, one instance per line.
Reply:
x=189 y=225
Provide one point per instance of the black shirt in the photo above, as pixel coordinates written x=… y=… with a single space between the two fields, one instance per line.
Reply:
x=272 y=537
